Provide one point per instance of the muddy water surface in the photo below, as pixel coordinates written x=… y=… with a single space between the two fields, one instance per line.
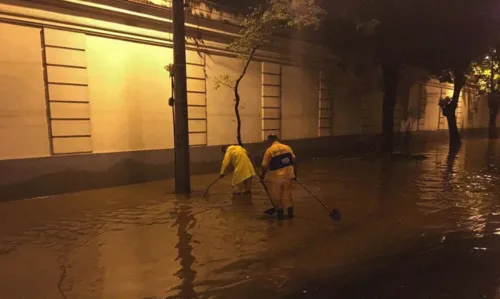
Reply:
x=410 y=229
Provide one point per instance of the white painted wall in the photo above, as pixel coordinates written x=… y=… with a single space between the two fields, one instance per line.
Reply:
x=23 y=114
x=220 y=102
x=129 y=91
x=481 y=117
x=346 y=113
x=300 y=93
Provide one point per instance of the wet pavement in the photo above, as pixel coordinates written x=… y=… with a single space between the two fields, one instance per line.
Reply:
x=410 y=229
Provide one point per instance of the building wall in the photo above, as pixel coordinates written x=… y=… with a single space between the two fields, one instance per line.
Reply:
x=346 y=118
x=23 y=115
x=114 y=97
x=424 y=99
x=129 y=91
x=99 y=89
x=220 y=101
x=300 y=105
x=480 y=113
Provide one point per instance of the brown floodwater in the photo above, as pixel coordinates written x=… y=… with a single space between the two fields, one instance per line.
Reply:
x=410 y=229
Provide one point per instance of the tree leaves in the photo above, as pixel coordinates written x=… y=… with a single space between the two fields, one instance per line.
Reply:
x=483 y=70
x=258 y=27
x=264 y=20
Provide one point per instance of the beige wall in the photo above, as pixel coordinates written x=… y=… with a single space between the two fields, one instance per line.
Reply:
x=67 y=84
x=272 y=99
x=346 y=117
x=300 y=94
x=196 y=98
x=115 y=92
x=23 y=115
x=416 y=98
x=129 y=91
x=424 y=101
x=481 y=117
x=325 y=105
x=220 y=102
x=373 y=104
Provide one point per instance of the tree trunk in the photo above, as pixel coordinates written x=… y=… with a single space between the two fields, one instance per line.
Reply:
x=391 y=79
x=493 y=113
x=450 y=111
x=237 y=97
x=453 y=130
x=493 y=130
x=237 y=112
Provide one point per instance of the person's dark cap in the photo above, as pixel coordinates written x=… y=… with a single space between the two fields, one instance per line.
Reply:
x=272 y=137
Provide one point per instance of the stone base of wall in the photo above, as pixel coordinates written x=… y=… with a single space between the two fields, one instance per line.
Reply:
x=27 y=178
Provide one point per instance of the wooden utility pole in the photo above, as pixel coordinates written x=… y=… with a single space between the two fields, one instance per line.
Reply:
x=181 y=134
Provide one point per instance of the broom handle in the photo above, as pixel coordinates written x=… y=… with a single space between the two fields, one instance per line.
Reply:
x=210 y=186
x=314 y=196
x=260 y=180
x=267 y=192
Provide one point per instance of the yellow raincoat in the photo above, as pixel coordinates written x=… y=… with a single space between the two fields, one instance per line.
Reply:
x=280 y=180
x=243 y=169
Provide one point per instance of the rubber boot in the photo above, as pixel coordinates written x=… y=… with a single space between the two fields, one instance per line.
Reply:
x=280 y=214
x=290 y=212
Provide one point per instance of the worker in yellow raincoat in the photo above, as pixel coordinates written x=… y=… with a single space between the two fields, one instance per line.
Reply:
x=278 y=173
x=237 y=156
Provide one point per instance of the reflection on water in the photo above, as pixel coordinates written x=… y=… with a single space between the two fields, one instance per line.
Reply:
x=406 y=224
x=185 y=220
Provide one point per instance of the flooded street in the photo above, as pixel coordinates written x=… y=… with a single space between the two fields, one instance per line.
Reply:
x=410 y=229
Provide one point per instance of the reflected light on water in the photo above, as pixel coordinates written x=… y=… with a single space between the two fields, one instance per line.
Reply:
x=138 y=242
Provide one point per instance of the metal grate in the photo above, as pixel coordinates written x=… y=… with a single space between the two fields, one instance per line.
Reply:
x=271 y=99
x=197 y=98
x=66 y=83
x=325 y=113
x=422 y=104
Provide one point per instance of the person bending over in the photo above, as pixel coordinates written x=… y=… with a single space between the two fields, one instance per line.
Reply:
x=237 y=157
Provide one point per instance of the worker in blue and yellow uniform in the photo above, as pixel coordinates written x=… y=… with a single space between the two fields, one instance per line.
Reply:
x=278 y=173
x=237 y=156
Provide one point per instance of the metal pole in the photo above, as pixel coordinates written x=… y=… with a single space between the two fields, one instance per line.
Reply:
x=181 y=135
